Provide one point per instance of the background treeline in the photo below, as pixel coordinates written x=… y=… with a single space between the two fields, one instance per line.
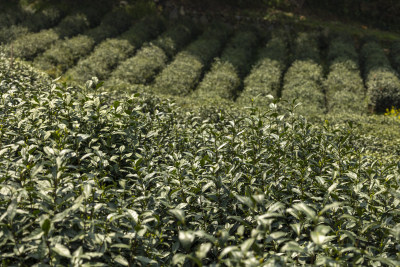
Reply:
x=379 y=13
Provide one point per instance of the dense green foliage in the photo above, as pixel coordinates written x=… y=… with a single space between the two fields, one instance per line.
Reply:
x=65 y=53
x=266 y=74
x=382 y=82
x=225 y=77
x=182 y=75
x=30 y=45
x=303 y=79
x=109 y=53
x=344 y=86
x=89 y=180
x=152 y=57
x=100 y=176
x=15 y=23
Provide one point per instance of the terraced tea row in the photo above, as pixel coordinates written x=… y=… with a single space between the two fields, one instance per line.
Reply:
x=64 y=54
x=344 y=86
x=221 y=63
x=304 y=77
x=153 y=56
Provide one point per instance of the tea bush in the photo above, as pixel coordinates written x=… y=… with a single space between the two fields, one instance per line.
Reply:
x=11 y=33
x=11 y=16
x=306 y=46
x=102 y=60
x=114 y=23
x=42 y=19
x=152 y=57
x=304 y=77
x=86 y=180
x=265 y=76
x=182 y=75
x=29 y=46
x=72 y=25
x=65 y=53
x=26 y=23
x=225 y=77
x=108 y=54
x=344 y=86
x=382 y=82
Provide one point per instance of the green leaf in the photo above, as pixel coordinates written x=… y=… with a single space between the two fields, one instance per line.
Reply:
x=133 y=215
x=179 y=215
x=203 y=249
x=296 y=228
x=318 y=236
x=146 y=260
x=292 y=246
x=61 y=250
x=87 y=190
x=186 y=238
x=46 y=223
x=310 y=213
x=121 y=245
x=121 y=260
x=246 y=245
x=246 y=200
x=330 y=206
x=228 y=250
x=178 y=259
x=12 y=209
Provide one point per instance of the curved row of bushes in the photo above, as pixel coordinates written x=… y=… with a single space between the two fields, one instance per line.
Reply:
x=29 y=46
x=344 y=86
x=65 y=53
x=382 y=82
x=152 y=57
x=109 y=53
x=304 y=77
x=16 y=23
x=225 y=76
x=184 y=72
x=265 y=76
x=10 y=16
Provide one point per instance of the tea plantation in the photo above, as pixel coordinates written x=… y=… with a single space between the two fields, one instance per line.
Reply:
x=99 y=168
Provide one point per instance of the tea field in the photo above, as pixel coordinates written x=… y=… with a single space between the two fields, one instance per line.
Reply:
x=99 y=168
x=325 y=70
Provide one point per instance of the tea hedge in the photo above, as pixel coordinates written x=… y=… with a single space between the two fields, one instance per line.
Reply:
x=225 y=77
x=64 y=54
x=182 y=75
x=114 y=23
x=9 y=34
x=303 y=79
x=306 y=46
x=109 y=53
x=29 y=46
x=86 y=180
x=26 y=22
x=344 y=86
x=11 y=16
x=265 y=76
x=42 y=19
x=382 y=82
x=152 y=57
